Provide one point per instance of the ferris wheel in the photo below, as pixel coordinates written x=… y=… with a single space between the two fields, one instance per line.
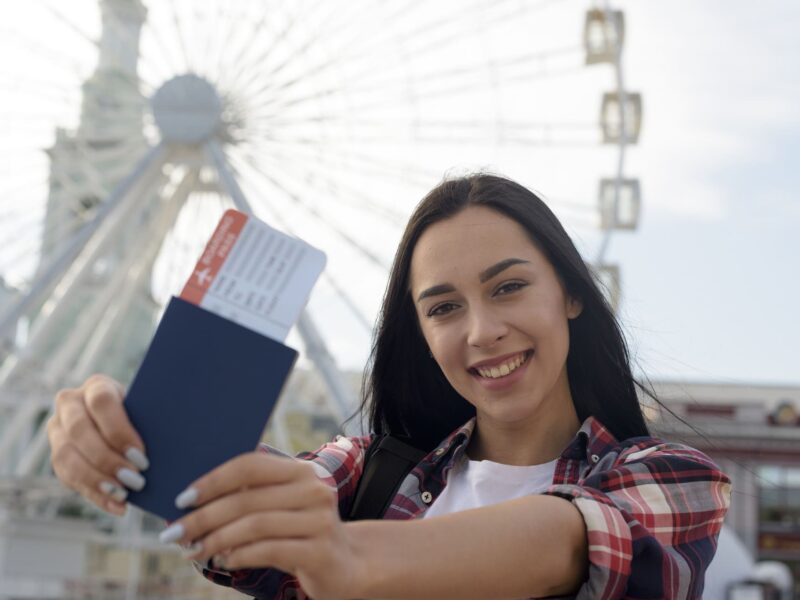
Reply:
x=129 y=127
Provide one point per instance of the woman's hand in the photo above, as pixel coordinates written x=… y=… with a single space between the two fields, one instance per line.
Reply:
x=94 y=448
x=259 y=510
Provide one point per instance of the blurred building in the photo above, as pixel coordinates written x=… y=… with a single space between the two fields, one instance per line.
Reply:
x=753 y=433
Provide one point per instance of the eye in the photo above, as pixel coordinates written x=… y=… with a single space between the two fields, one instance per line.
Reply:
x=442 y=309
x=509 y=287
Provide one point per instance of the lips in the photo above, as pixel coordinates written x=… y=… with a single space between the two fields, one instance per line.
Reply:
x=501 y=366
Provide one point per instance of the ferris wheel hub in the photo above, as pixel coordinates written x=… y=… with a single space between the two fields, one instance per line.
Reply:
x=187 y=110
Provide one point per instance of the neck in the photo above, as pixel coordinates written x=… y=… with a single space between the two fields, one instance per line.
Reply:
x=537 y=439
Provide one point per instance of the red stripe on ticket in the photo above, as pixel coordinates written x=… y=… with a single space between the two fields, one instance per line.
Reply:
x=214 y=255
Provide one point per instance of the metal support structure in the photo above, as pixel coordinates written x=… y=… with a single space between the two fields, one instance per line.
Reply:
x=623 y=134
x=60 y=300
x=117 y=312
x=135 y=262
x=50 y=276
x=130 y=274
x=316 y=349
x=24 y=414
x=614 y=20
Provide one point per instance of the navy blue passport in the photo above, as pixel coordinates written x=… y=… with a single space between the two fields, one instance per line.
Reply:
x=202 y=396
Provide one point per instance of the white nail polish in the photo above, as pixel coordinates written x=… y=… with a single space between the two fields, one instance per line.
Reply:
x=218 y=561
x=171 y=534
x=138 y=458
x=131 y=479
x=187 y=498
x=114 y=491
x=190 y=549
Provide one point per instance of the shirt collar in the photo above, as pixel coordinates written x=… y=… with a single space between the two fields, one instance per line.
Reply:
x=592 y=439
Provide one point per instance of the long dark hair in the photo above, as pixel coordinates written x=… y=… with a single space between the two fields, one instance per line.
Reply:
x=404 y=391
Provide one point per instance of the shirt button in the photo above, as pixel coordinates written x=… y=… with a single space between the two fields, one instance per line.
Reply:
x=439 y=451
x=594 y=458
x=427 y=497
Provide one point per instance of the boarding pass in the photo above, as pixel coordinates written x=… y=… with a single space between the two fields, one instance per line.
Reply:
x=254 y=275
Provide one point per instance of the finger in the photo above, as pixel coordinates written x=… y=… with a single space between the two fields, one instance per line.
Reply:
x=296 y=496
x=286 y=555
x=75 y=426
x=76 y=472
x=268 y=525
x=104 y=404
x=247 y=470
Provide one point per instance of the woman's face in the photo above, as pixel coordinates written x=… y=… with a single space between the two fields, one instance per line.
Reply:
x=494 y=314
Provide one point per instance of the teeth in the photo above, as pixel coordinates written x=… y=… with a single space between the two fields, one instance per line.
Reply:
x=502 y=370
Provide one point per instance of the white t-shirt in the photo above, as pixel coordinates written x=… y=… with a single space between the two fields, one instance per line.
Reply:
x=476 y=483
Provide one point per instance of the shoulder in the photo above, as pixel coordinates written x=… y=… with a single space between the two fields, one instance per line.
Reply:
x=667 y=461
x=603 y=452
x=337 y=461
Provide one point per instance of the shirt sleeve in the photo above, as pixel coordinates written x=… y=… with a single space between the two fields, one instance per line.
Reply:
x=652 y=522
x=339 y=464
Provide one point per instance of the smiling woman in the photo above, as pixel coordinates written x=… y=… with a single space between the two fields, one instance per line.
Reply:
x=496 y=355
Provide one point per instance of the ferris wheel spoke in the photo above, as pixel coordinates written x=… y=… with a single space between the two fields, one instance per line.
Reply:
x=71 y=25
x=268 y=80
x=335 y=198
x=271 y=84
x=252 y=73
x=227 y=23
x=79 y=32
x=180 y=35
x=22 y=84
x=503 y=68
x=358 y=162
x=165 y=54
x=297 y=199
x=344 y=296
x=445 y=22
x=350 y=195
x=348 y=302
x=30 y=245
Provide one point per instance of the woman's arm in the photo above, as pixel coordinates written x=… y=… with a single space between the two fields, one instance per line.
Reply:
x=532 y=546
x=264 y=511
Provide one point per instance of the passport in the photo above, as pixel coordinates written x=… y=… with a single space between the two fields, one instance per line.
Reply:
x=217 y=363
x=202 y=396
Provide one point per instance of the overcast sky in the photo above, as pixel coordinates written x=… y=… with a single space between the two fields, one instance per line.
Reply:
x=710 y=278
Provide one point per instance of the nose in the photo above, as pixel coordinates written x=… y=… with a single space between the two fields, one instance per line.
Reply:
x=486 y=327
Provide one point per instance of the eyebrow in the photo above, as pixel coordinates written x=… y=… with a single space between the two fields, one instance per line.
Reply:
x=483 y=277
x=498 y=268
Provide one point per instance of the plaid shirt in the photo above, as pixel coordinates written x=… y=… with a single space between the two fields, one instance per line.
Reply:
x=652 y=509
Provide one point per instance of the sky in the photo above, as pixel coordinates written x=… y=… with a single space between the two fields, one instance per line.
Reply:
x=709 y=277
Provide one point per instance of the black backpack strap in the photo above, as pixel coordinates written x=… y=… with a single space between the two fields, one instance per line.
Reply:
x=387 y=462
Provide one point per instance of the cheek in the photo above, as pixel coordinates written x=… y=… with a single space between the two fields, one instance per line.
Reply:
x=443 y=344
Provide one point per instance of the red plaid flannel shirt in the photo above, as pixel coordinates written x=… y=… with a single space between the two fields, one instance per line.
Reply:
x=653 y=510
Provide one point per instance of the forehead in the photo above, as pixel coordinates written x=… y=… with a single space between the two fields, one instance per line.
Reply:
x=467 y=243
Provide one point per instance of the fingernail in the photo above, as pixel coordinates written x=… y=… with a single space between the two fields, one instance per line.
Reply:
x=138 y=458
x=186 y=498
x=131 y=479
x=191 y=549
x=218 y=561
x=171 y=534
x=114 y=491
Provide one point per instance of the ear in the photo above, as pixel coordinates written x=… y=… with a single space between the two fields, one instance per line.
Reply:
x=574 y=307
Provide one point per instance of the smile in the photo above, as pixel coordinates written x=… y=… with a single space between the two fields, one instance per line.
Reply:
x=504 y=368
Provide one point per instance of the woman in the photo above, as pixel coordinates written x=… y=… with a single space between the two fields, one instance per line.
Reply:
x=496 y=353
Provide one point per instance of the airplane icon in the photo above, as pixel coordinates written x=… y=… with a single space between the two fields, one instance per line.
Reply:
x=203 y=276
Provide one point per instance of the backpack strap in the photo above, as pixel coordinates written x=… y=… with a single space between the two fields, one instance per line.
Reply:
x=387 y=462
